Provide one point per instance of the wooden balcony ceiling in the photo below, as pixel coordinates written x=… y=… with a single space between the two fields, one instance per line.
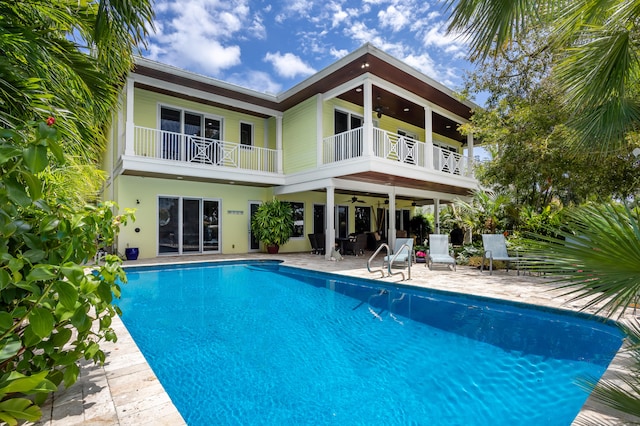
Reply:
x=406 y=182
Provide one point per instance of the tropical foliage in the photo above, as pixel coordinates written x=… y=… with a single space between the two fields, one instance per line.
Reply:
x=524 y=126
x=272 y=222
x=595 y=46
x=53 y=312
x=594 y=65
x=68 y=59
x=62 y=64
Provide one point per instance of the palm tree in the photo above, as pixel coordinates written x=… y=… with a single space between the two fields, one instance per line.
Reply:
x=597 y=67
x=68 y=59
x=597 y=63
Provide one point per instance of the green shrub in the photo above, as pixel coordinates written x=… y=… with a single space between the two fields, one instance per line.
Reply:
x=54 y=310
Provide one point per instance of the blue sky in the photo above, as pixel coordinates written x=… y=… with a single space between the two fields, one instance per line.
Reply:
x=270 y=46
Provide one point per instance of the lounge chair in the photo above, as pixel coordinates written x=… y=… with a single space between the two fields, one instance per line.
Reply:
x=439 y=251
x=495 y=248
x=405 y=254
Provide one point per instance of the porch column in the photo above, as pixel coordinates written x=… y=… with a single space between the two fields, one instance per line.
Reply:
x=129 y=148
x=367 y=137
x=472 y=160
x=319 y=135
x=391 y=232
x=279 y=144
x=330 y=230
x=428 y=137
x=436 y=214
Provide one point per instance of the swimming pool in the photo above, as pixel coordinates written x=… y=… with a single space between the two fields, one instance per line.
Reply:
x=262 y=343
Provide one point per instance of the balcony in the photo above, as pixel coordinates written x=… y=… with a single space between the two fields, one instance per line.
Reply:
x=179 y=148
x=393 y=147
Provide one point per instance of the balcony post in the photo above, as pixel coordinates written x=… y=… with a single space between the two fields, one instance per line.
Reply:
x=470 y=163
x=367 y=137
x=330 y=231
x=279 y=144
x=436 y=214
x=319 y=129
x=391 y=232
x=129 y=147
x=428 y=137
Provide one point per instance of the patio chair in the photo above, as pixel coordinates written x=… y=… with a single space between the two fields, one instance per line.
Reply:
x=320 y=243
x=439 y=251
x=314 y=245
x=356 y=245
x=405 y=254
x=495 y=248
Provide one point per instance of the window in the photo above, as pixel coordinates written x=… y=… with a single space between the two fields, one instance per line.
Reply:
x=347 y=145
x=189 y=136
x=298 y=220
x=246 y=134
x=344 y=121
x=363 y=219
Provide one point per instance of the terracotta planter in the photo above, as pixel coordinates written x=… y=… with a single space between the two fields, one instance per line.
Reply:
x=273 y=249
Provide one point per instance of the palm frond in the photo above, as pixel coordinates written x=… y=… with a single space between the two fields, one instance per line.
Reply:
x=597 y=257
x=490 y=24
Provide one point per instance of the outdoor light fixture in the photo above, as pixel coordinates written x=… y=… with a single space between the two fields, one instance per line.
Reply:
x=364 y=65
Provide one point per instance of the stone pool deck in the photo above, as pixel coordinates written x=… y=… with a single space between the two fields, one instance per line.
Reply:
x=125 y=391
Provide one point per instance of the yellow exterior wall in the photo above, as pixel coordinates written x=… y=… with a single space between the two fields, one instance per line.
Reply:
x=234 y=226
x=234 y=237
x=299 y=126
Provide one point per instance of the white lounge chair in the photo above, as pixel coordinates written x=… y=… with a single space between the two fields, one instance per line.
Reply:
x=495 y=248
x=439 y=251
x=405 y=254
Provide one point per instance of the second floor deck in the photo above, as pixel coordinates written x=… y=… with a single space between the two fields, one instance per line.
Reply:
x=177 y=152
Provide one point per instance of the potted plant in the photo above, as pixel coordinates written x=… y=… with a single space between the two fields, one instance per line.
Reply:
x=272 y=224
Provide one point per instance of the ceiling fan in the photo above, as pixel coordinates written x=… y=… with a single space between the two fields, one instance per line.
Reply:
x=378 y=109
x=354 y=199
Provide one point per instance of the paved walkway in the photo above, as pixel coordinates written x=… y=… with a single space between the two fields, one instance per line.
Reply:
x=125 y=391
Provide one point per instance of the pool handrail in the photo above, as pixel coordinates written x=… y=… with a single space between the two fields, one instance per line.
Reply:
x=381 y=270
x=393 y=259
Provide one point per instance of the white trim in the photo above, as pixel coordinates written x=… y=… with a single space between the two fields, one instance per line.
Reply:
x=211 y=97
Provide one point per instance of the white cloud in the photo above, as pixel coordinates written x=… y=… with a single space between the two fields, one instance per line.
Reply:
x=256 y=80
x=437 y=36
x=338 y=53
x=199 y=34
x=423 y=63
x=394 y=18
x=288 y=65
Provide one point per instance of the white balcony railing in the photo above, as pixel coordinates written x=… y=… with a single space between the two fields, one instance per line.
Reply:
x=398 y=148
x=342 y=146
x=172 y=146
x=394 y=147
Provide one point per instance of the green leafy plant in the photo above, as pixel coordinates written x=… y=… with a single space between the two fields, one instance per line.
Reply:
x=54 y=310
x=272 y=223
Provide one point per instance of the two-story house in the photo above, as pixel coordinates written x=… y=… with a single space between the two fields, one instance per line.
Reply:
x=354 y=148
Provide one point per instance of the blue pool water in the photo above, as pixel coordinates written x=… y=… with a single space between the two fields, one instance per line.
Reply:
x=261 y=343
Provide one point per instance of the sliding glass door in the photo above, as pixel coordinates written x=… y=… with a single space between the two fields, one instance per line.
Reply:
x=188 y=225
